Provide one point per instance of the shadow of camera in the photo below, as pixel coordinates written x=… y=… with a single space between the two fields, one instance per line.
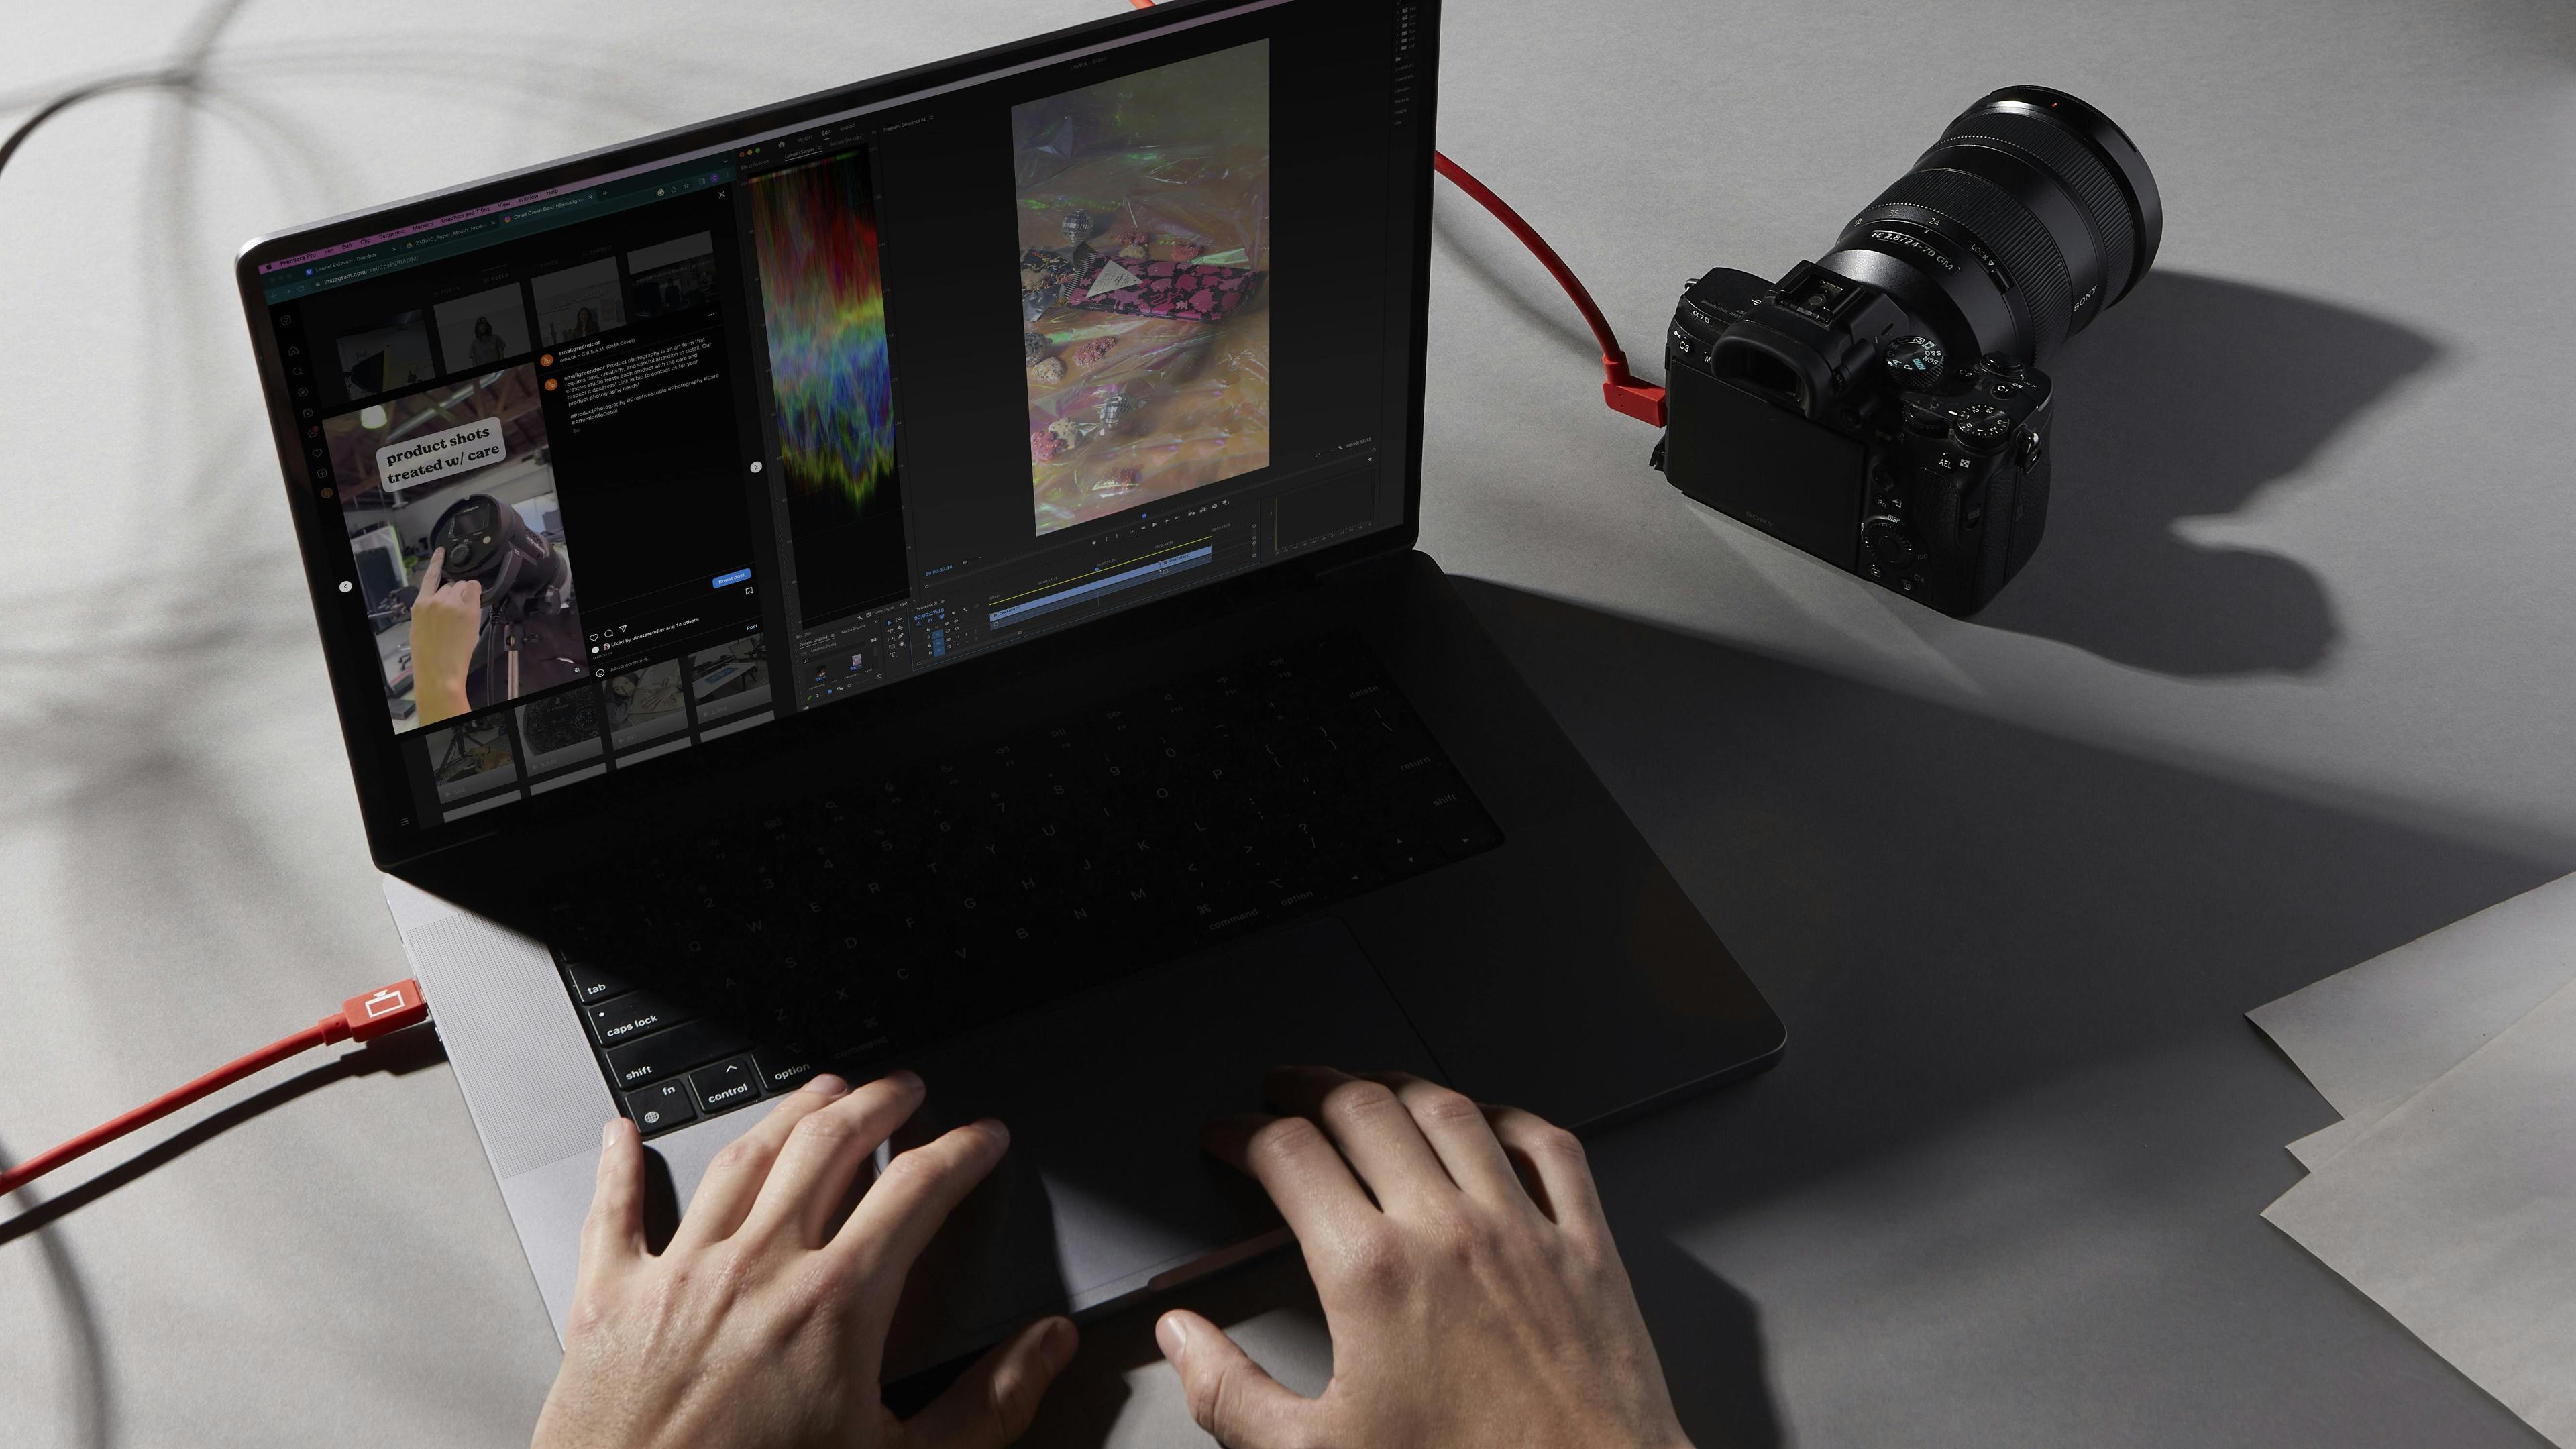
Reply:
x=2186 y=400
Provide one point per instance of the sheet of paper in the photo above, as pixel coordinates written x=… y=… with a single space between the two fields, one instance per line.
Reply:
x=2313 y=1150
x=2456 y=1212
x=2371 y=1036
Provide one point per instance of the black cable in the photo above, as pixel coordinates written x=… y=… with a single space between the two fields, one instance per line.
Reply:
x=184 y=75
x=71 y=98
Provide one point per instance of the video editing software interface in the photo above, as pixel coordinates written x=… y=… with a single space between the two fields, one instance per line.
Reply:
x=774 y=423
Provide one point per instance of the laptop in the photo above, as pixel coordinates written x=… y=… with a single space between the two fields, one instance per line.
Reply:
x=924 y=574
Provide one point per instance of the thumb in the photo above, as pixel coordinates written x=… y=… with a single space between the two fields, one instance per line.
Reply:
x=992 y=1403
x=1230 y=1396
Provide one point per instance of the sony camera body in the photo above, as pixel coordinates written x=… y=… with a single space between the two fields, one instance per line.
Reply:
x=1882 y=406
x=1819 y=411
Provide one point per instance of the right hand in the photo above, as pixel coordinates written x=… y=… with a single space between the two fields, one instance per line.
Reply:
x=1476 y=1301
x=446 y=620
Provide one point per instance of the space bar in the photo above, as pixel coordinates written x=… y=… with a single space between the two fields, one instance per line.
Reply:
x=666 y=1054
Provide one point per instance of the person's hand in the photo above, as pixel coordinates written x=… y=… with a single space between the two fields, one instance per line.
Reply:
x=446 y=620
x=761 y=1326
x=1477 y=1301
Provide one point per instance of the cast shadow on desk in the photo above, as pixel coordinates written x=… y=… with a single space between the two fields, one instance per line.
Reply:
x=2187 y=400
x=93 y=1398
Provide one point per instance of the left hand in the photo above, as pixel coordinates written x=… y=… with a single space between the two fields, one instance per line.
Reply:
x=763 y=1327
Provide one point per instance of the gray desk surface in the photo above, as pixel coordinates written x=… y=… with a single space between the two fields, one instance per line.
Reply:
x=2290 y=683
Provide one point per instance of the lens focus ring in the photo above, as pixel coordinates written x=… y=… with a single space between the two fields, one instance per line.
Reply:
x=2028 y=255
x=2085 y=174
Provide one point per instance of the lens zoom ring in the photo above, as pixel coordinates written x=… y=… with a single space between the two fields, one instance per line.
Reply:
x=2095 y=187
x=1989 y=213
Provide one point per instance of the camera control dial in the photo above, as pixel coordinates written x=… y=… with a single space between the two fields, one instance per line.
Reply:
x=1892 y=544
x=1982 y=426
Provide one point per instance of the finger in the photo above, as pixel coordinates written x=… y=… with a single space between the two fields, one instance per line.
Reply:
x=1230 y=1396
x=1559 y=1176
x=1384 y=1144
x=1307 y=1180
x=731 y=1183
x=1457 y=1130
x=613 y=1233
x=821 y=1157
x=993 y=1402
x=913 y=1196
x=430 y=576
x=469 y=593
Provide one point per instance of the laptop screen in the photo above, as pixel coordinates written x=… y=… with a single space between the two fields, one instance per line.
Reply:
x=814 y=400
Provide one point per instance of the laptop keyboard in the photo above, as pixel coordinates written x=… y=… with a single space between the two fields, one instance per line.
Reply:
x=915 y=903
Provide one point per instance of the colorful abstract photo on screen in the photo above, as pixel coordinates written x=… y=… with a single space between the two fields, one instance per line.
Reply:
x=823 y=295
x=1145 y=281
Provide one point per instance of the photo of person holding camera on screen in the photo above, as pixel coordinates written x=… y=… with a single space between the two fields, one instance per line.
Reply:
x=468 y=653
x=457 y=535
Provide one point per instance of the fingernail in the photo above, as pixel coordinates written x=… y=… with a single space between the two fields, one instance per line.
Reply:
x=998 y=1128
x=909 y=1080
x=1059 y=1344
x=1173 y=1335
x=825 y=1085
x=608 y=1132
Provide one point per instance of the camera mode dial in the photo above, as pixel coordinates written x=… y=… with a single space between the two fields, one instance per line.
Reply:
x=1914 y=361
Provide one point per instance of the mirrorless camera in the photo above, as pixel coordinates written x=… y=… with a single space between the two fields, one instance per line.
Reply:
x=1882 y=407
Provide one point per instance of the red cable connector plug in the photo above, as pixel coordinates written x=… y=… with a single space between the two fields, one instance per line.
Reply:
x=1620 y=388
x=360 y=1018
x=385 y=1009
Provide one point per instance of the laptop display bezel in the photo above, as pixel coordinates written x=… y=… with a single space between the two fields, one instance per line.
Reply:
x=374 y=750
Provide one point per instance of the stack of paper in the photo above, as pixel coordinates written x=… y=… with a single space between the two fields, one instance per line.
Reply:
x=2448 y=1192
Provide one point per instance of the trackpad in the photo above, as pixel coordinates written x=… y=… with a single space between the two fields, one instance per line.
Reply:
x=1105 y=1189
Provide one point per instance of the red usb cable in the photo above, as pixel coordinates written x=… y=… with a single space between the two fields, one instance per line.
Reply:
x=360 y=1018
x=1620 y=388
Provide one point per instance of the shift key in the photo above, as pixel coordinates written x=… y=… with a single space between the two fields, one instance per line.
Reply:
x=669 y=1053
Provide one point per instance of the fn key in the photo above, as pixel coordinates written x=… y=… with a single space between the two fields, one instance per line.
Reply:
x=661 y=1107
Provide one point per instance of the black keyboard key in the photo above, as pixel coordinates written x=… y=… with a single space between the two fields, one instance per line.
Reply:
x=936 y=894
x=782 y=1071
x=622 y=1018
x=661 y=1107
x=591 y=983
x=726 y=1085
x=667 y=1054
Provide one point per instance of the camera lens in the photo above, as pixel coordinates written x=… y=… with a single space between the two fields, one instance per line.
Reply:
x=2030 y=215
